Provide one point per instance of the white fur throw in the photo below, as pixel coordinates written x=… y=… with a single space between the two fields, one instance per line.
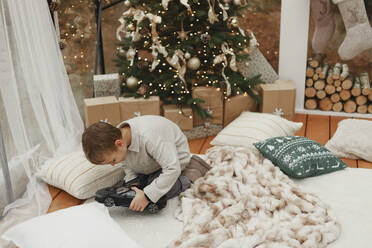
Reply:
x=245 y=201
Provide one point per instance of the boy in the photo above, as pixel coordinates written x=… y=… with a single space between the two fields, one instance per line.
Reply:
x=150 y=145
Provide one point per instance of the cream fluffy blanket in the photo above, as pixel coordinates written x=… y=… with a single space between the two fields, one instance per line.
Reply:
x=245 y=201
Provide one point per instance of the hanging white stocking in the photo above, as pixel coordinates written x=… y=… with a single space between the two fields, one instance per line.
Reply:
x=358 y=30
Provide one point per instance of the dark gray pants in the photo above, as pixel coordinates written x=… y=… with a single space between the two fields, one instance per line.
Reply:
x=180 y=185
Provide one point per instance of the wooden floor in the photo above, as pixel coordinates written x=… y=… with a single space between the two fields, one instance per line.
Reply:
x=316 y=127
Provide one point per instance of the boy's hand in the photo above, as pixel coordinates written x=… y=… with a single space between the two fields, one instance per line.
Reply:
x=140 y=201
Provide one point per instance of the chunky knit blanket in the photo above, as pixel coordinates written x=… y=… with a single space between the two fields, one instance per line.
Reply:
x=245 y=201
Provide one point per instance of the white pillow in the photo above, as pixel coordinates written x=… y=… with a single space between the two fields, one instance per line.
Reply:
x=353 y=139
x=252 y=127
x=74 y=174
x=88 y=225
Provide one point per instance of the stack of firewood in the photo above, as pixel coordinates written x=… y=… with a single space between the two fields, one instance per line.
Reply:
x=336 y=88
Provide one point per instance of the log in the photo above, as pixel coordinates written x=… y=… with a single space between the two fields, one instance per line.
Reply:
x=318 y=70
x=338 y=89
x=364 y=83
x=362 y=109
x=316 y=76
x=369 y=108
x=317 y=60
x=370 y=96
x=310 y=92
x=361 y=100
x=329 y=76
x=325 y=104
x=335 y=97
x=345 y=72
x=319 y=85
x=330 y=89
x=311 y=104
x=309 y=82
x=337 y=107
x=347 y=83
x=337 y=83
x=337 y=71
x=350 y=106
x=345 y=95
x=324 y=71
x=356 y=90
x=320 y=94
x=309 y=72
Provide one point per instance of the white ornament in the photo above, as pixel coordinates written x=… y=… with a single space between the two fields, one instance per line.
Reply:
x=278 y=112
x=234 y=22
x=187 y=55
x=127 y=3
x=238 y=2
x=132 y=82
x=193 y=63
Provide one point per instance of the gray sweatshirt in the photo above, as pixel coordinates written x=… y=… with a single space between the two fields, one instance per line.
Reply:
x=157 y=143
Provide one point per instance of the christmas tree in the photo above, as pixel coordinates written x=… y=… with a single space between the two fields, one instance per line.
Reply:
x=169 y=47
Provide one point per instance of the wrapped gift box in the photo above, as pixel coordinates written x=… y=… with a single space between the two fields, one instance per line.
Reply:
x=182 y=116
x=131 y=107
x=278 y=98
x=106 y=85
x=213 y=102
x=235 y=105
x=101 y=108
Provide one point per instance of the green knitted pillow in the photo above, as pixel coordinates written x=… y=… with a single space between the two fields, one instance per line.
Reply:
x=299 y=157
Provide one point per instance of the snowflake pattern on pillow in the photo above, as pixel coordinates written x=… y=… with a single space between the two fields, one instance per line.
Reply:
x=299 y=157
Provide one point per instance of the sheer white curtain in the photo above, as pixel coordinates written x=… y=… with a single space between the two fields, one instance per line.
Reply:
x=38 y=114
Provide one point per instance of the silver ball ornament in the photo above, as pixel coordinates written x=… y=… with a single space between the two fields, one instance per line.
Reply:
x=132 y=82
x=127 y=3
x=193 y=63
x=187 y=55
x=234 y=22
x=238 y=2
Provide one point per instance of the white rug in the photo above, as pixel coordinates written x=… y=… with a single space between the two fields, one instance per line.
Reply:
x=149 y=230
x=348 y=192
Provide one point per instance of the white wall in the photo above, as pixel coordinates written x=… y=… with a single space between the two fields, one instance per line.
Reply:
x=294 y=30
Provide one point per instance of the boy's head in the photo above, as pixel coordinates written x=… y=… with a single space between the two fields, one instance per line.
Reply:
x=103 y=144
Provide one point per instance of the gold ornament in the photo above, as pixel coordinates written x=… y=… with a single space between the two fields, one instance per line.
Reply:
x=132 y=82
x=131 y=27
x=193 y=63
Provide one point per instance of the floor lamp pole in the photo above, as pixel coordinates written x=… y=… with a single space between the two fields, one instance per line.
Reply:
x=5 y=168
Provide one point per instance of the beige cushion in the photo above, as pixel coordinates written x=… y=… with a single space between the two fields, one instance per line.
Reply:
x=353 y=139
x=251 y=127
x=74 y=174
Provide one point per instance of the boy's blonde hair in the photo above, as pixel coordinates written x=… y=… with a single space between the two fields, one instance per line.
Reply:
x=99 y=139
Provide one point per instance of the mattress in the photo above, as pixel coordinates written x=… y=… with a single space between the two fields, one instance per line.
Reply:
x=348 y=192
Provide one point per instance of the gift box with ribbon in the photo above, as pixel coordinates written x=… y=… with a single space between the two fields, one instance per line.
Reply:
x=181 y=115
x=235 y=105
x=131 y=107
x=278 y=98
x=102 y=108
x=213 y=98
